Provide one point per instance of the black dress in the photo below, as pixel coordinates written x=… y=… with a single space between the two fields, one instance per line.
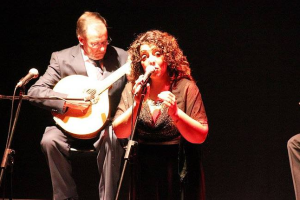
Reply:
x=167 y=166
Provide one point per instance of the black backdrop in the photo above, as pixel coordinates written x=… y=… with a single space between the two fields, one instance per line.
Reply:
x=244 y=56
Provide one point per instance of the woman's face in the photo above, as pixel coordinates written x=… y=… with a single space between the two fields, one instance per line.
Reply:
x=152 y=55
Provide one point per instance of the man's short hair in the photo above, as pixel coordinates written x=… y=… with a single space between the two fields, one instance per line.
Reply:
x=87 y=17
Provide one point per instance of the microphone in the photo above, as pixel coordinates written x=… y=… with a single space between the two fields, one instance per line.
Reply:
x=33 y=73
x=149 y=70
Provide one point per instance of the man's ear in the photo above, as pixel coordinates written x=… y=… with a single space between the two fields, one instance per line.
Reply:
x=80 y=39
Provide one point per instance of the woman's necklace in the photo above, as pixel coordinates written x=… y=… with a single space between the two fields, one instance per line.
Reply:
x=155 y=103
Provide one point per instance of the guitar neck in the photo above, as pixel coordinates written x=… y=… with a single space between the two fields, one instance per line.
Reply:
x=113 y=77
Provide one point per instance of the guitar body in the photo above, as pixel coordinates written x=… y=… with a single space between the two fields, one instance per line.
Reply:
x=82 y=124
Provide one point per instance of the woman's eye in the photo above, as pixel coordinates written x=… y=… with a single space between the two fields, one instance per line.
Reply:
x=143 y=57
x=157 y=53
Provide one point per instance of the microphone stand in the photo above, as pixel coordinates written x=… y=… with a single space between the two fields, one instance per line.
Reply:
x=8 y=159
x=131 y=143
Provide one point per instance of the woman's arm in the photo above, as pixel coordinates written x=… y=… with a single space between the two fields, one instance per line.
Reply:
x=122 y=123
x=192 y=121
x=192 y=130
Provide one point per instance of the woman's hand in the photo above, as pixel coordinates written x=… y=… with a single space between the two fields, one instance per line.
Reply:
x=169 y=100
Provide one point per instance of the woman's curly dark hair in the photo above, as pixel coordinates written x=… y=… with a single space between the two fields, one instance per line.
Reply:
x=178 y=66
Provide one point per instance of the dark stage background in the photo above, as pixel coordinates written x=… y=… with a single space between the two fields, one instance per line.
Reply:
x=244 y=56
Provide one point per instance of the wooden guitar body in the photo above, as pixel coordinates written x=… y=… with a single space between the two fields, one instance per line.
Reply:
x=86 y=124
x=82 y=124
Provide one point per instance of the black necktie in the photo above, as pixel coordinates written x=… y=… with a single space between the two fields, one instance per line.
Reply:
x=99 y=70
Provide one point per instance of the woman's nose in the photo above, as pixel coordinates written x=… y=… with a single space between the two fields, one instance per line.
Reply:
x=151 y=60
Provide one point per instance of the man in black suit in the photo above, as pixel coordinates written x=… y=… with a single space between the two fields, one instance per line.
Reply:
x=95 y=58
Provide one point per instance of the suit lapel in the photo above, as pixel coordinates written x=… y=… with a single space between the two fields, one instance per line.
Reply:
x=77 y=61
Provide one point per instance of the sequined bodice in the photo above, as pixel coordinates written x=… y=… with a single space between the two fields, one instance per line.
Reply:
x=161 y=130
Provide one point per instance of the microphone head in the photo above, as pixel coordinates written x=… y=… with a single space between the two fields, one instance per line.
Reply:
x=150 y=69
x=34 y=72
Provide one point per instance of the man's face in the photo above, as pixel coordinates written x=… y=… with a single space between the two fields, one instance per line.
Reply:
x=94 y=43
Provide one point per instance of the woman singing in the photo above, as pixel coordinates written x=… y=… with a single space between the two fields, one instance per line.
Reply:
x=172 y=121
